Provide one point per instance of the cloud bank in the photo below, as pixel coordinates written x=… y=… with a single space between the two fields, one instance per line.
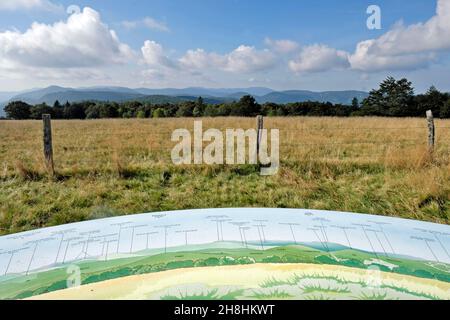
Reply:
x=12 y=5
x=83 y=44
x=82 y=41
x=318 y=58
x=243 y=59
x=147 y=22
x=406 y=47
x=401 y=48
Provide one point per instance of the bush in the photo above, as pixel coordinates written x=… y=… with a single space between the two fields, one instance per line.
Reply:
x=18 y=110
x=140 y=114
x=272 y=259
x=226 y=261
x=158 y=113
x=246 y=260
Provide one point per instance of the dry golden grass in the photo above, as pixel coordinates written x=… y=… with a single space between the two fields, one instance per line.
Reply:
x=109 y=167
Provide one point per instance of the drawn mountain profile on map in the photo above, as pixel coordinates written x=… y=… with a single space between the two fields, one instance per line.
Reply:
x=230 y=254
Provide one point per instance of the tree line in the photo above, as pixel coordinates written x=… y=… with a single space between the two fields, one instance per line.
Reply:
x=393 y=98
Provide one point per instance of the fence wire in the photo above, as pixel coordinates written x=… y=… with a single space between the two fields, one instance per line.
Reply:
x=90 y=152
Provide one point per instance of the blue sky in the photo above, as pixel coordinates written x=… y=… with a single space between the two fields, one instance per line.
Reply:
x=223 y=43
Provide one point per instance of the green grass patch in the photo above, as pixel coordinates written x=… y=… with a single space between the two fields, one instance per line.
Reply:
x=318 y=288
x=275 y=294
x=207 y=295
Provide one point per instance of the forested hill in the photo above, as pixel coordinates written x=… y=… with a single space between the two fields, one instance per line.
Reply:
x=393 y=98
x=214 y=96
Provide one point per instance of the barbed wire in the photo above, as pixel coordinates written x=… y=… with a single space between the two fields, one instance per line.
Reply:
x=359 y=128
x=159 y=148
x=350 y=143
x=58 y=134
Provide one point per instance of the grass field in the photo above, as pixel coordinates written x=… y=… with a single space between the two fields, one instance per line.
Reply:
x=114 y=167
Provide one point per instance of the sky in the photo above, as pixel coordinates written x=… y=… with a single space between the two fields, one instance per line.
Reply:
x=289 y=44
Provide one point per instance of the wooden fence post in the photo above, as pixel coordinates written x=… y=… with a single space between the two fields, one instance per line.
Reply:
x=259 y=128
x=431 y=130
x=48 y=146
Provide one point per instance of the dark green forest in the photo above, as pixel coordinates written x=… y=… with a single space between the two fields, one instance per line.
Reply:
x=393 y=98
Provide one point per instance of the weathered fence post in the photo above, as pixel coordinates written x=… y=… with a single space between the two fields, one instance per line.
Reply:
x=431 y=130
x=48 y=147
x=259 y=128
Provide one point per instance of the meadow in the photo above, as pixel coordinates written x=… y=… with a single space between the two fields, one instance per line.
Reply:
x=122 y=166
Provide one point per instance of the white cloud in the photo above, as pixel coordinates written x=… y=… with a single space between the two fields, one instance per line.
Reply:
x=282 y=46
x=244 y=59
x=248 y=59
x=12 y=5
x=366 y=61
x=82 y=41
x=130 y=24
x=318 y=58
x=156 y=25
x=401 y=48
x=200 y=59
x=406 y=47
x=153 y=75
x=147 y=22
x=155 y=56
x=199 y=66
x=71 y=74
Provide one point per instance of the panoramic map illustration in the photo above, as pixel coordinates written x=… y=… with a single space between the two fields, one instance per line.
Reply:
x=230 y=254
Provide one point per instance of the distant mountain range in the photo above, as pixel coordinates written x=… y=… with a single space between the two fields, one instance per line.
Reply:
x=343 y=97
x=170 y=95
